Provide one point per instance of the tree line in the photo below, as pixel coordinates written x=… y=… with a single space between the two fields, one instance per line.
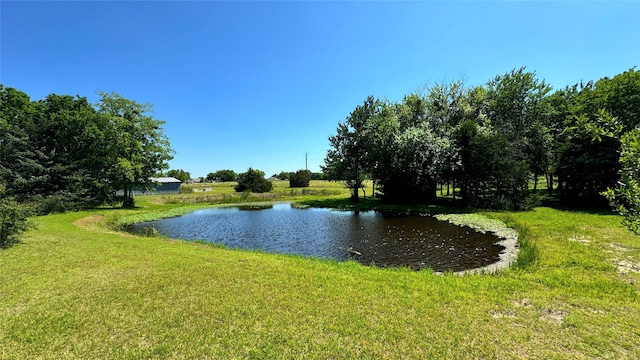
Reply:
x=490 y=140
x=63 y=153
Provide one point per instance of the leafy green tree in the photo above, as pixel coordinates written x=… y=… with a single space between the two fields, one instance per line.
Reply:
x=300 y=178
x=625 y=197
x=284 y=175
x=71 y=133
x=222 y=175
x=586 y=168
x=179 y=174
x=420 y=157
x=52 y=151
x=139 y=146
x=489 y=175
x=253 y=180
x=346 y=158
x=516 y=109
x=14 y=220
x=19 y=165
x=406 y=156
x=619 y=96
x=515 y=105
x=447 y=106
x=557 y=114
x=587 y=161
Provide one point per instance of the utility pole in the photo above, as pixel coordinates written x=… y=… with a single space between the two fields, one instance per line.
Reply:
x=306 y=167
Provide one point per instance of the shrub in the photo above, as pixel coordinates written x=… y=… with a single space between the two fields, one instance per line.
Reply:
x=14 y=220
x=300 y=178
x=254 y=181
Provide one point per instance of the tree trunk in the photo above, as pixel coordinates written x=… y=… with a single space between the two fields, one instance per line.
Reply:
x=454 y=190
x=373 y=190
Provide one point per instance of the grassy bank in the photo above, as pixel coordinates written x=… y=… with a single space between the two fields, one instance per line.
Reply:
x=75 y=289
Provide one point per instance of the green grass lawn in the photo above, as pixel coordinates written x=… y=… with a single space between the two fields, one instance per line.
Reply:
x=76 y=289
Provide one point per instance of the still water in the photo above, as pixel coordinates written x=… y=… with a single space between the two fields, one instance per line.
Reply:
x=370 y=237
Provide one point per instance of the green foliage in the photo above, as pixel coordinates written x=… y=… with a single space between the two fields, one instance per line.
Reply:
x=625 y=198
x=139 y=147
x=300 y=178
x=619 y=96
x=253 y=180
x=222 y=175
x=67 y=154
x=515 y=104
x=411 y=175
x=318 y=176
x=584 y=169
x=588 y=144
x=346 y=158
x=489 y=140
x=179 y=174
x=489 y=174
x=14 y=220
x=56 y=148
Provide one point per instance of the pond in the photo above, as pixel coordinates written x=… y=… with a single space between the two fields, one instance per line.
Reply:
x=369 y=237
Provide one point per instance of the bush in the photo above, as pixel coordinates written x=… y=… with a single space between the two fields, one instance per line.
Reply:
x=14 y=220
x=254 y=181
x=300 y=178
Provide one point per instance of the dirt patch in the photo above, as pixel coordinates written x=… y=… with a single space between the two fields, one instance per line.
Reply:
x=96 y=223
x=90 y=221
x=619 y=247
x=625 y=267
x=522 y=303
x=554 y=316
x=510 y=314
x=16 y=309
x=580 y=239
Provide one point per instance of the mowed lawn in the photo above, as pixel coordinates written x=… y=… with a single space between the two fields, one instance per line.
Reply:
x=75 y=289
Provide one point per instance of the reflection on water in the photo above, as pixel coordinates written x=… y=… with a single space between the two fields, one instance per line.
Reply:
x=368 y=237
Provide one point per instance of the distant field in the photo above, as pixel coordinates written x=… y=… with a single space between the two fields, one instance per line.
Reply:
x=221 y=193
x=76 y=289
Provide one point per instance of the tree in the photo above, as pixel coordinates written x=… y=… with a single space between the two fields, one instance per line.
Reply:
x=139 y=146
x=346 y=158
x=14 y=220
x=515 y=100
x=179 y=174
x=420 y=157
x=19 y=166
x=222 y=175
x=300 y=178
x=253 y=180
x=625 y=198
x=72 y=136
x=284 y=175
x=489 y=175
x=52 y=151
x=587 y=160
x=557 y=112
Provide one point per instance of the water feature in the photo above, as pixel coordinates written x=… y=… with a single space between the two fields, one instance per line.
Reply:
x=369 y=237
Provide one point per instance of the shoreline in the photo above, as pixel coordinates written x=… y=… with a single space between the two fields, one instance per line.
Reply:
x=508 y=236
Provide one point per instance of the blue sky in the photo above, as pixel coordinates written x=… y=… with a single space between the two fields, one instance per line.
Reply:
x=260 y=84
